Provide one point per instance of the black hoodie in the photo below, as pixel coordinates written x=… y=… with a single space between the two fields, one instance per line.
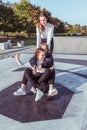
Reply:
x=46 y=64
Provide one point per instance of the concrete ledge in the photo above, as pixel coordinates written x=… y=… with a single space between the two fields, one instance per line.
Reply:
x=6 y=45
x=20 y=44
x=70 y=45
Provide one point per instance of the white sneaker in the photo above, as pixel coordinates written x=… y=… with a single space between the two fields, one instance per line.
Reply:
x=52 y=92
x=33 y=90
x=39 y=95
x=20 y=92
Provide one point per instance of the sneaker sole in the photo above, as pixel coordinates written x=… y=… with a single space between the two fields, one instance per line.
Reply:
x=19 y=94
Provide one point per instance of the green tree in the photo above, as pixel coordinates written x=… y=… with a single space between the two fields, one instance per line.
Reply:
x=27 y=14
x=6 y=18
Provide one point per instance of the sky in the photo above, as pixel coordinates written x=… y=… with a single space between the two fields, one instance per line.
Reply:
x=71 y=11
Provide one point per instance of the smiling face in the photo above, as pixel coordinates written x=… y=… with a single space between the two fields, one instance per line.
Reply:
x=43 y=21
x=41 y=56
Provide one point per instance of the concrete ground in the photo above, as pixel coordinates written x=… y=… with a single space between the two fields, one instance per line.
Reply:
x=67 y=110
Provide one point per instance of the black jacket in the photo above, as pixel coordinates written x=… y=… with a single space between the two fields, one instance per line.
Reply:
x=46 y=64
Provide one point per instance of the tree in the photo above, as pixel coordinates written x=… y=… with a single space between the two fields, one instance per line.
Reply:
x=27 y=14
x=23 y=17
x=6 y=18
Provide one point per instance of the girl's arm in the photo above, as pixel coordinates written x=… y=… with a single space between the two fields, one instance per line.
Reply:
x=50 y=35
x=38 y=36
x=48 y=62
x=20 y=63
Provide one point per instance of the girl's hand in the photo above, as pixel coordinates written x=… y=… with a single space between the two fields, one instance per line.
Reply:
x=17 y=56
x=51 y=68
x=39 y=67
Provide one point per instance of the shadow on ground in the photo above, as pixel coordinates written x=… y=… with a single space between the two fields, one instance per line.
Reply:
x=25 y=109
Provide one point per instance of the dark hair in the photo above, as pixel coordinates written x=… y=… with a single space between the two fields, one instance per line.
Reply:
x=49 y=20
x=38 y=50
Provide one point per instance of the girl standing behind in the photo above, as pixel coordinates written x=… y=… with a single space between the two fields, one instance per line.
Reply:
x=45 y=31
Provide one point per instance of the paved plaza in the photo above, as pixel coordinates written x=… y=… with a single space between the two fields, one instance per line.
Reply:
x=65 y=111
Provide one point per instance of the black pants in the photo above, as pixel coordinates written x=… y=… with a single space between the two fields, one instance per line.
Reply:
x=51 y=44
x=40 y=80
